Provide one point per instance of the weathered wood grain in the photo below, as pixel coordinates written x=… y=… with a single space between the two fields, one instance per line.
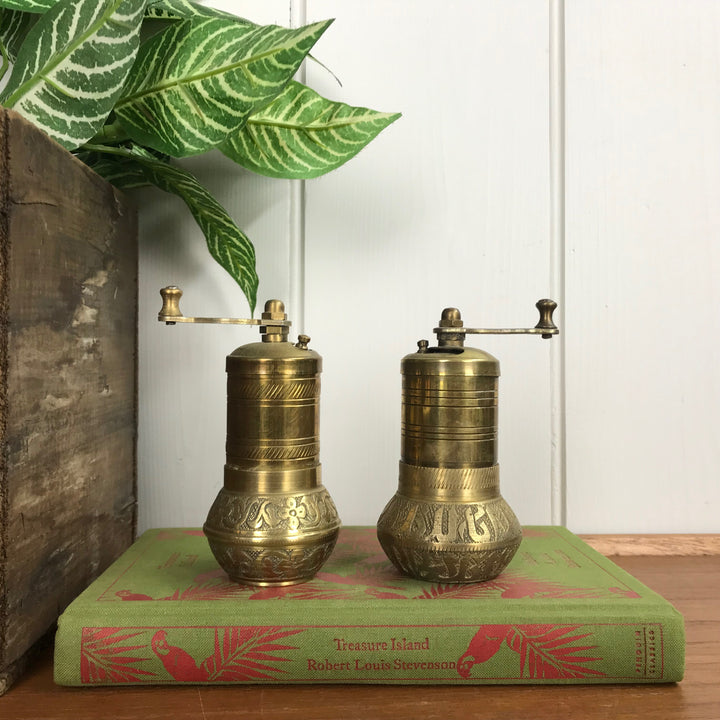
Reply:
x=68 y=318
x=684 y=545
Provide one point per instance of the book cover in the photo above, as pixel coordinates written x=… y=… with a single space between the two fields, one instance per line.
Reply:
x=561 y=613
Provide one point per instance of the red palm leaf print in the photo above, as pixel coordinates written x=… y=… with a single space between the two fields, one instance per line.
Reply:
x=104 y=657
x=210 y=590
x=551 y=651
x=246 y=653
x=512 y=585
x=546 y=651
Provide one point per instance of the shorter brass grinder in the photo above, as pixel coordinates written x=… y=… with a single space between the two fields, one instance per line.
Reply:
x=448 y=522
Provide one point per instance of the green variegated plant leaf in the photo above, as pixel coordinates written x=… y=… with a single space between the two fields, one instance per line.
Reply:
x=205 y=77
x=123 y=172
x=184 y=9
x=302 y=135
x=226 y=242
x=31 y=6
x=199 y=80
x=72 y=66
x=14 y=26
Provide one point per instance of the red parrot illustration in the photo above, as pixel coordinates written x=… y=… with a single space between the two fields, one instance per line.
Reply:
x=546 y=651
x=179 y=663
x=240 y=653
x=482 y=647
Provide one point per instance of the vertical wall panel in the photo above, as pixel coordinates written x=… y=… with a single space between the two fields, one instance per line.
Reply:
x=181 y=445
x=643 y=231
x=449 y=206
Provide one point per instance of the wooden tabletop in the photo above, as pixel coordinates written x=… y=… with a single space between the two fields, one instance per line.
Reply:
x=691 y=582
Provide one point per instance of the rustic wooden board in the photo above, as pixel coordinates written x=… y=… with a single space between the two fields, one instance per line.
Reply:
x=627 y=545
x=68 y=319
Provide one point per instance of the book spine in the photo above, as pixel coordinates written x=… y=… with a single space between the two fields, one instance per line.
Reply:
x=517 y=653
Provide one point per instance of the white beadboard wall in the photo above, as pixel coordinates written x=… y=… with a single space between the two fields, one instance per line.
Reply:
x=643 y=265
x=461 y=202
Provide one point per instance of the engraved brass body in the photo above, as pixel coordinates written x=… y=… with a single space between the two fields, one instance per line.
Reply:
x=273 y=522
x=448 y=521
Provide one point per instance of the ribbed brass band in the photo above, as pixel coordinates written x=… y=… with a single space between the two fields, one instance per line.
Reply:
x=268 y=542
x=286 y=368
x=487 y=432
x=272 y=450
x=448 y=398
x=451 y=484
x=259 y=482
x=296 y=389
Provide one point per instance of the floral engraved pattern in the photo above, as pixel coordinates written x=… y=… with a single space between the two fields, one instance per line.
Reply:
x=461 y=542
x=242 y=513
x=484 y=522
x=293 y=513
x=273 y=564
x=449 y=565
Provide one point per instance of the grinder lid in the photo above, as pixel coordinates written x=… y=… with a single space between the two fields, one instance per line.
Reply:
x=449 y=360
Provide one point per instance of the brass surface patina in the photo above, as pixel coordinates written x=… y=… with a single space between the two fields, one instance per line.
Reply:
x=273 y=522
x=448 y=522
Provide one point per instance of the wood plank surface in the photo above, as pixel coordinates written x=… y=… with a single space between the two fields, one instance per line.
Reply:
x=68 y=319
x=691 y=583
x=654 y=544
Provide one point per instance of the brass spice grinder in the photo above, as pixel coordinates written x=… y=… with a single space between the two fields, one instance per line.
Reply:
x=448 y=522
x=273 y=522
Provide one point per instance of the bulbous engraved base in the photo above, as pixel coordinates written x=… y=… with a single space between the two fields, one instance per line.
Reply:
x=273 y=538
x=449 y=542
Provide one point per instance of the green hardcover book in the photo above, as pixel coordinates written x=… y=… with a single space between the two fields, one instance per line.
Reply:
x=560 y=613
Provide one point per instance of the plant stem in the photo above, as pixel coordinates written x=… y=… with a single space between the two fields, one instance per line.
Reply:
x=110 y=134
x=108 y=150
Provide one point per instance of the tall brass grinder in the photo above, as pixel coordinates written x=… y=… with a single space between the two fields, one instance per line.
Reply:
x=447 y=521
x=273 y=522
